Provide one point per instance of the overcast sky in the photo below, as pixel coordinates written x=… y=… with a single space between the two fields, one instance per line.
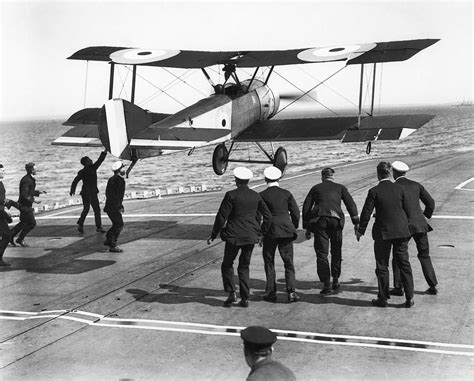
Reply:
x=36 y=38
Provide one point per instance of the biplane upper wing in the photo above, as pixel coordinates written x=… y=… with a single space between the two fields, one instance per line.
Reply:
x=346 y=129
x=188 y=59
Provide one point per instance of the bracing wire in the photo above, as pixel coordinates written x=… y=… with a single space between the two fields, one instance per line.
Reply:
x=186 y=83
x=85 y=83
x=123 y=82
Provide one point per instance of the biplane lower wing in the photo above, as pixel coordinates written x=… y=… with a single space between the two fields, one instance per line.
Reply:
x=345 y=129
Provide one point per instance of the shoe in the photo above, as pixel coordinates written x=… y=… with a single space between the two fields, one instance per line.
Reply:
x=107 y=243
x=244 y=303
x=292 y=297
x=326 y=291
x=100 y=230
x=12 y=242
x=432 y=290
x=335 y=284
x=409 y=303
x=231 y=299
x=115 y=249
x=80 y=229
x=272 y=298
x=4 y=264
x=379 y=302
x=21 y=242
x=396 y=291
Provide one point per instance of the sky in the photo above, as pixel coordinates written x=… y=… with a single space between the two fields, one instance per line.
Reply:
x=37 y=81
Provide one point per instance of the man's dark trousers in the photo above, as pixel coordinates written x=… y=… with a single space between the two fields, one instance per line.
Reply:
x=117 y=226
x=87 y=202
x=27 y=222
x=382 y=250
x=285 y=247
x=327 y=230
x=423 y=247
x=227 y=270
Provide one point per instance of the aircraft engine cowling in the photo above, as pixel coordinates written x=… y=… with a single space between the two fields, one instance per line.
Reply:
x=119 y=121
x=269 y=99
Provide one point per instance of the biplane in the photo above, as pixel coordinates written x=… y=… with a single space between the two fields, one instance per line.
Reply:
x=237 y=110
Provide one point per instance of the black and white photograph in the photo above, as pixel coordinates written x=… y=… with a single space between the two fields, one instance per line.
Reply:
x=236 y=190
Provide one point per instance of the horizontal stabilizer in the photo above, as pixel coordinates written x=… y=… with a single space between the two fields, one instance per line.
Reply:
x=83 y=136
x=86 y=116
x=383 y=127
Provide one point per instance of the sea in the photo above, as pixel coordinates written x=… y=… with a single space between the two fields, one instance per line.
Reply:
x=452 y=130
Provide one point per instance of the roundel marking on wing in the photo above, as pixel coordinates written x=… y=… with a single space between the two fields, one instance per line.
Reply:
x=334 y=53
x=142 y=56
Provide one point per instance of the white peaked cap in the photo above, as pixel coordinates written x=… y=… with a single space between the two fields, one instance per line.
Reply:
x=272 y=173
x=243 y=173
x=117 y=165
x=400 y=166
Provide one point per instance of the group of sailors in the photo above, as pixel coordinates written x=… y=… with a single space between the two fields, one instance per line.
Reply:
x=271 y=218
x=114 y=192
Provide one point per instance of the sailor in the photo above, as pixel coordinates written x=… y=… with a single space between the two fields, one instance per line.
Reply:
x=5 y=219
x=89 y=191
x=323 y=216
x=282 y=233
x=418 y=227
x=114 y=194
x=390 y=230
x=258 y=349
x=237 y=221
x=26 y=199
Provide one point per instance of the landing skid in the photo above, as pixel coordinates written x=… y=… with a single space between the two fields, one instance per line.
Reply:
x=221 y=158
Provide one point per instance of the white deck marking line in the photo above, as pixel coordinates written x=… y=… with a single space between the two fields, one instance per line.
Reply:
x=209 y=329
x=461 y=186
x=148 y=215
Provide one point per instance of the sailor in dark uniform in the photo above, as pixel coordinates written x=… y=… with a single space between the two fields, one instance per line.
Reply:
x=28 y=193
x=418 y=227
x=239 y=212
x=390 y=230
x=5 y=219
x=323 y=216
x=282 y=233
x=89 y=191
x=258 y=349
x=114 y=194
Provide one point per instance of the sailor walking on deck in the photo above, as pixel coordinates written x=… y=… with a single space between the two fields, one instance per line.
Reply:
x=114 y=194
x=418 y=227
x=237 y=221
x=323 y=216
x=89 y=191
x=390 y=230
x=5 y=219
x=281 y=234
x=26 y=199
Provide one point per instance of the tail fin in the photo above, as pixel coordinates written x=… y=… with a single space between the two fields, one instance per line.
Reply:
x=119 y=121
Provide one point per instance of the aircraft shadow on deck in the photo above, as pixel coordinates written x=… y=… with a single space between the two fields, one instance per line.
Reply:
x=172 y=294
x=68 y=259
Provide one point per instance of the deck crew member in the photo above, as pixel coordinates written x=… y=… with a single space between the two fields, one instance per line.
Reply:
x=89 y=191
x=323 y=216
x=390 y=229
x=5 y=219
x=282 y=233
x=418 y=227
x=239 y=212
x=258 y=349
x=114 y=194
x=26 y=199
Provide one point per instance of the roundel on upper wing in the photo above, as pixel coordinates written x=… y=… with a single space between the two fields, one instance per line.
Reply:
x=334 y=53
x=141 y=56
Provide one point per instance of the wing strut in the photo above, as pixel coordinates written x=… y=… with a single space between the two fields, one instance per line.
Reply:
x=111 y=82
x=360 y=93
x=253 y=77
x=134 y=79
x=269 y=73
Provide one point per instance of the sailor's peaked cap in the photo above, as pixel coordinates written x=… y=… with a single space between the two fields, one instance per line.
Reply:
x=243 y=173
x=258 y=337
x=400 y=166
x=117 y=166
x=272 y=173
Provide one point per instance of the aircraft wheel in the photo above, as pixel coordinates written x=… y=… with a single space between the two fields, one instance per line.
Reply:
x=368 y=148
x=219 y=159
x=280 y=159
